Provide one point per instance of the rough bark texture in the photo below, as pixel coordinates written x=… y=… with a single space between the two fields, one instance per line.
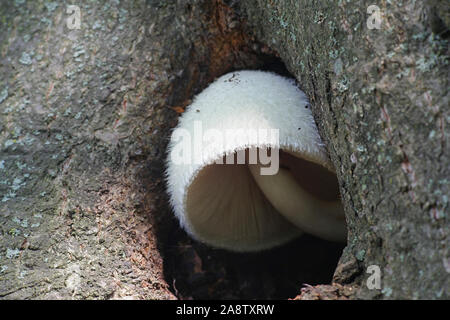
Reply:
x=381 y=101
x=85 y=116
x=79 y=108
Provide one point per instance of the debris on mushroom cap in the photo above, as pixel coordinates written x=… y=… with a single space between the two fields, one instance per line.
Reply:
x=233 y=206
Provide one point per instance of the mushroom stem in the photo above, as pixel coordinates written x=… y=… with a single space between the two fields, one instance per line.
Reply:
x=324 y=219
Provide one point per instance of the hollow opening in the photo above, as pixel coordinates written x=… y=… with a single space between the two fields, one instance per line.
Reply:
x=194 y=270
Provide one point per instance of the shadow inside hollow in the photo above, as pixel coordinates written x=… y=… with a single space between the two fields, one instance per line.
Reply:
x=196 y=271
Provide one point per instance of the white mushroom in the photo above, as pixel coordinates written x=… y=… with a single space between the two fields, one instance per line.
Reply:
x=240 y=206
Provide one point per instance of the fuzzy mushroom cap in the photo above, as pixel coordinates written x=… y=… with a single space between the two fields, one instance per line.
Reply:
x=233 y=206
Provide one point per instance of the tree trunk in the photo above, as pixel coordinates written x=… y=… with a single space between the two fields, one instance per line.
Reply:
x=380 y=98
x=85 y=116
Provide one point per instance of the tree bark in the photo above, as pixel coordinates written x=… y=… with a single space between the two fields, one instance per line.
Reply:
x=380 y=98
x=85 y=116
x=84 y=122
